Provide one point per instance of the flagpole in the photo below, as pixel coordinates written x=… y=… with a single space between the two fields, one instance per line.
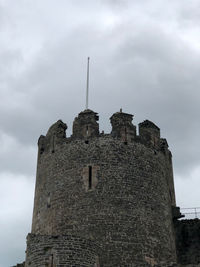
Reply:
x=87 y=85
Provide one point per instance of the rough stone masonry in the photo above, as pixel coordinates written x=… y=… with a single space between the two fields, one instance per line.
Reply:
x=107 y=200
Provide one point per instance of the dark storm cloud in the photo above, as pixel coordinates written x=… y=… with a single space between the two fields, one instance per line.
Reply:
x=164 y=73
x=14 y=155
x=150 y=72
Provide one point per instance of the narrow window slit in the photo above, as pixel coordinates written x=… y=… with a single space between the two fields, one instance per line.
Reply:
x=87 y=130
x=53 y=144
x=52 y=260
x=125 y=141
x=90 y=177
x=125 y=131
x=48 y=201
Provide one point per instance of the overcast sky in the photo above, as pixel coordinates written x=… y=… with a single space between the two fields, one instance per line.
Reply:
x=145 y=58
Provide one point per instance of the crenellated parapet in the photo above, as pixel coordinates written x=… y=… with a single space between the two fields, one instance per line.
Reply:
x=58 y=130
x=122 y=126
x=163 y=145
x=86 y=125
x=149 y=134
x=55 y=135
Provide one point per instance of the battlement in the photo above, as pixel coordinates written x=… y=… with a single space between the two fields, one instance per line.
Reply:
x=86 y=126
x=149 y=134
x=122 y=126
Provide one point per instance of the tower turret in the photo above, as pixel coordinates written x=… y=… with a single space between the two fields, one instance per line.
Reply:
x=55 y=135
x=122 y=126
x=149 y=134
x=86 y=125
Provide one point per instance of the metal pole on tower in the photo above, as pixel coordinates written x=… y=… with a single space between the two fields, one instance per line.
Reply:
x=87 y=86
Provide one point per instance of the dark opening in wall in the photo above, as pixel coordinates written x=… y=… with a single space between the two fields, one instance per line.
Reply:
x=86 y=141
x=53 y=144
x=125 y=134
x=125 y=131
x=41 y=150
x=90 y=177
x=52 y=260
x=48 y=201
x=87 y=130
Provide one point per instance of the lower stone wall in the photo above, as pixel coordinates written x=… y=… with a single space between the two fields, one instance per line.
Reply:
x=188 y=242
x=72 y=251
x=60 y=251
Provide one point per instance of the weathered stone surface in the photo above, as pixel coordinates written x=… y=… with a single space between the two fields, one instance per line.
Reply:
x=149 y=134
x=122 y=126
x=113 y=190
x=65 y=250
x=86 y=125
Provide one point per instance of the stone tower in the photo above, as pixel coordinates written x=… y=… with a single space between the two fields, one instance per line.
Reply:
x=103 y=199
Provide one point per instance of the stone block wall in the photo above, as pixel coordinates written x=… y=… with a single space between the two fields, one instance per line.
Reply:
x=60 y=251
x=188 y=242
x=123 y=211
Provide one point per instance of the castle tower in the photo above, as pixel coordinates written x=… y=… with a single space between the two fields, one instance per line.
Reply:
x=103 y=199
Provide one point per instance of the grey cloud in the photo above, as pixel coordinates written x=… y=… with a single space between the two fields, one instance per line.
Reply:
x=189 y=12
x=145 y=71
x=16 y=157
x=166 y=87
x=9 y=64
x=13 y=246
x=16 y=196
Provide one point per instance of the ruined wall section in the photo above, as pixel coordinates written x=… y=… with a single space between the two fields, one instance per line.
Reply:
x=169 y=168
x=149 y=135
x=54 y=138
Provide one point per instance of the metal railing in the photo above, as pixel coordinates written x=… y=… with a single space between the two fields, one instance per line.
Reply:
x=190 y=213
